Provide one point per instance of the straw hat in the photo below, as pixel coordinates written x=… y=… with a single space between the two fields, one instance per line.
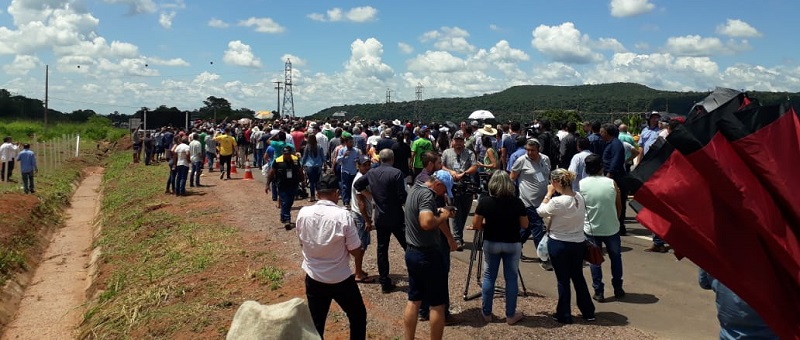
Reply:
x=488 y=130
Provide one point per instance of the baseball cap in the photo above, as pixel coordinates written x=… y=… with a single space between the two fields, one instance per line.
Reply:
x=346 y=134
x=362 y=159
x=458 y=135
x=444 y=177
x=287 y=149
x=328 y=182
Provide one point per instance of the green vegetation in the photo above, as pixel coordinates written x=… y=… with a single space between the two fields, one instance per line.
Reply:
x=161 y=261
x=269 y=275
x=528 y=101
x=94 y=128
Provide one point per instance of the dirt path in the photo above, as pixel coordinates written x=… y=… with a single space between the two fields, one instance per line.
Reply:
x=52 y=305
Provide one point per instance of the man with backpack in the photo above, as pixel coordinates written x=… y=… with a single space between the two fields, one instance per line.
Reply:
x=287 y=174
x=549 y=142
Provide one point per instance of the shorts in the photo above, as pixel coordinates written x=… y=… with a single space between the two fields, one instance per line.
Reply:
x=427 y=277
x=363 y=234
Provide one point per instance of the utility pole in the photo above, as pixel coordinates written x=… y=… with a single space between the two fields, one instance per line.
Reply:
x=46 y=92
x=279 y=88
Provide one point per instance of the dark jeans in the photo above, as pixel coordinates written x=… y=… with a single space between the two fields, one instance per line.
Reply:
x=313 y=173
x=346 y=187
x=27 y=182
x=273 y=187
x=182 y=174
x=173 y=174
x=347 y=295
x=623 y=197
x=463 y=203
x=613 y=246
x=7 y=170
x=210 y=156
x=258 y=158
x=567 y=260
x=197 y=169
x=287 y=200
x=385 y=233
x=535 y=227
x=148 y=156
x=223 y=161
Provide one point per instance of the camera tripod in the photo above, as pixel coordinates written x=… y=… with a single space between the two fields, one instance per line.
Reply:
x=477 y=254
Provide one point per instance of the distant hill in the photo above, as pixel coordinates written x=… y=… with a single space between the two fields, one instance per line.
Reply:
x=520 y=102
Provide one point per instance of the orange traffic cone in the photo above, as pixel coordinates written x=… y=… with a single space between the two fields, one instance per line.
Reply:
x=248 y=173
x=233 y=168
x=216 y=165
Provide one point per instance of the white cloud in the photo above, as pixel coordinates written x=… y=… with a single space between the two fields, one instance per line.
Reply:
x=262 y=25
x=737 y=29
x=629 y=8
x=609 y=44
x=240 y=54
x=556 y=74
x=167 y=62
x=495 y=28
x=760 y=78
x=658 y=70
x=296 y=61
x=217 y=23
x=452 y=39
x=137 y=6
x=697 y=46
x=22 y=64
x=502 y=51
x=178 y=4
x=365 y=60
x=405 y=48
x=357 y=14
x=165 y=19
x=565 y=43
x=436 y=61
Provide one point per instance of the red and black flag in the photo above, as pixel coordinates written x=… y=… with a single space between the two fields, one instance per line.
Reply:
x=702 y=197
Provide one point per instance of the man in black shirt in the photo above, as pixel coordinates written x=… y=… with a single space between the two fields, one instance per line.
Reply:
x=388 y=189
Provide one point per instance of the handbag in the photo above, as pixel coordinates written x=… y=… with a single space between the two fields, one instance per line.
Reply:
x=594 y=254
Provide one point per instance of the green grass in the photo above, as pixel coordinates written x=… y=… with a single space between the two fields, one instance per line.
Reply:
x=153 y=254
x=97 y=128
x=269 y=275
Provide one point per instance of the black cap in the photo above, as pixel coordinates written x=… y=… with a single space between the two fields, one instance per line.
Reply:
x=328 y=182
x=287 y=149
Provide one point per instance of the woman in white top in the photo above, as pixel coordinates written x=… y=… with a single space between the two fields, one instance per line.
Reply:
x=566 y=246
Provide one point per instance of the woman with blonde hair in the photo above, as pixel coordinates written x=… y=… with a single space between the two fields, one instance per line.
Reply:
x=566 y=244
x=500 y=215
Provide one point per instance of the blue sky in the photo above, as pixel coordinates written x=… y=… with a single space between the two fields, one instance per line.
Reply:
x=120 y=55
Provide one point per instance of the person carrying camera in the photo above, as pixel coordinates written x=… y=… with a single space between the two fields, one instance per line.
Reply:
x=460 y=163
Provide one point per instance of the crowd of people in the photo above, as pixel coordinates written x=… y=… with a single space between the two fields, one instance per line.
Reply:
x=417 y=182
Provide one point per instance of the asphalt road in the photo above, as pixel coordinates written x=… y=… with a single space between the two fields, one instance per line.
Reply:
x=663 y=296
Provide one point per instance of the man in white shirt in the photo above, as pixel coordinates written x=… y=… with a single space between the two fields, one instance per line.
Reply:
x=8 y=153
x=182 y=163
x=577 y=163
x=196 y=156
x=328 y=237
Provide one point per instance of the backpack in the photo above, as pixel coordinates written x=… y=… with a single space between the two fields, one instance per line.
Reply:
x=287 y=175
x=240 y=140
x=551 y=146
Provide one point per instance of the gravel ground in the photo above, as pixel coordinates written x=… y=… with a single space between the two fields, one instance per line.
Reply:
x=385 y=310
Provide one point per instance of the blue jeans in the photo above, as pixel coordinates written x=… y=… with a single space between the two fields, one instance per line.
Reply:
x=313 y=173
x=210 y=156
x=509 y=253
x=287 y=200
x=180 y=181
x=173 y=175
x=27 y=182
x=535 y=227
x=613 y=247
x=273 y=187
x=567 y=260
x=197 y=169
x=346 y=187
x=258 y=158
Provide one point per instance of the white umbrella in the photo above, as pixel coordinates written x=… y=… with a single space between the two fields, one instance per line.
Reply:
x=263 y=114
x=339 y=113
x=481 y=114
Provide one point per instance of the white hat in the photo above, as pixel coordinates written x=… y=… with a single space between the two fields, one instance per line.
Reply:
x=488 y=130
x=397 y=122
x=347 y=124
x=444 y=129
x=327 y=126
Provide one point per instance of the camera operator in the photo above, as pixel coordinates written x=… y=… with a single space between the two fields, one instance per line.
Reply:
x=460 y=163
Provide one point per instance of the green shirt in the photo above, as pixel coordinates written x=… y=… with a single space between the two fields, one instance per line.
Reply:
x=203 y=140
x=627 y=138
x=601 y=206
x=418 y=147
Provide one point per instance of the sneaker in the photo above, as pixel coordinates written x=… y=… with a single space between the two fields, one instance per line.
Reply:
x=656 y=249
x=589 y=318
x=619 y=293
x=514 y=319
x=528 y=259
x=459 y=245
x=289 y=226
x=424 y=317
x=546 y=265
x=599 y=297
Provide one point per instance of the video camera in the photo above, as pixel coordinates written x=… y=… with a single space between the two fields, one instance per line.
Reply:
x=471 y=184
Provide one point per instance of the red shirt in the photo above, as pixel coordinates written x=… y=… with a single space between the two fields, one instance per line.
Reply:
x=298 y=136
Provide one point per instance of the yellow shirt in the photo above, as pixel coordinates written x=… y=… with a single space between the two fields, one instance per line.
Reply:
x=226 y=144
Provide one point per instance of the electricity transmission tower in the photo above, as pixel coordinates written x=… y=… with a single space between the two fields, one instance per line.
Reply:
x=388 y=95
x=288 y=98
x=279 y=88
x=418 y=103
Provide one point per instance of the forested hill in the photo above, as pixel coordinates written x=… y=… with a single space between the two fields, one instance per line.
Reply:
x=522 y=101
